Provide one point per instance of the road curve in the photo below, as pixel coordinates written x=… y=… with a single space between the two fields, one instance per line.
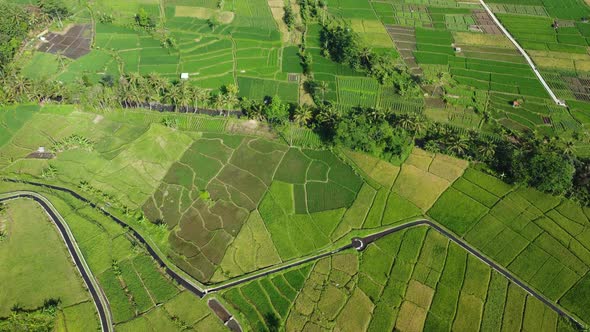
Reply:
x=365 y=241
x=183 y=280
x=100 y=301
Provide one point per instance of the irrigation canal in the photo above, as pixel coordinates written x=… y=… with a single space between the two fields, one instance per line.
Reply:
x=201 y=290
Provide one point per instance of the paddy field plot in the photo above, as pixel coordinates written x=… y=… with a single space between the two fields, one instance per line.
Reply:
x=541 y=239
x=132 y=281
x=34 y=254
x=412 y=280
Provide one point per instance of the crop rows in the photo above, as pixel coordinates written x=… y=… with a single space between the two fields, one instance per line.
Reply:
x=413 y=280
x=536 y=236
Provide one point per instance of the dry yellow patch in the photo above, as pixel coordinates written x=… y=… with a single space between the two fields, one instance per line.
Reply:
x=583 y=65
x=419 y=294
x=224 y=17
x=420 y=161
x=379 y=170
x=332 y=300
x=346 y=263
x=385 y=173
x=410 y=318
x=469 y=313
x=373 y=32
x=448 y=167
x=197 y=12
x=480 y=39
x=419 y=187
x=356 y=315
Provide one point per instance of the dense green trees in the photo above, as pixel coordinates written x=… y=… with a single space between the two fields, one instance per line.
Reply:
x=369 y=130
x=343 y=45
x=15 y=23
x=549 y=172
x=289 y=17
x=144 y=20
x=55 y=9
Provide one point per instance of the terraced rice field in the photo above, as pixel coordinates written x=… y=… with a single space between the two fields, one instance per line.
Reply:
x=221 y=205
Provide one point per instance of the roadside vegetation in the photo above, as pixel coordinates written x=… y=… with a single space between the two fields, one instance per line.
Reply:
x=240 y=135
x=34 y=254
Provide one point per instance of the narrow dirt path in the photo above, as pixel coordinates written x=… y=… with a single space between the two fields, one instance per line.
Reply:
x=557 y=101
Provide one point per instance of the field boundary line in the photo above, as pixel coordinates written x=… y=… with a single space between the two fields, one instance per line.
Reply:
x=357 y=243
x=557 y=101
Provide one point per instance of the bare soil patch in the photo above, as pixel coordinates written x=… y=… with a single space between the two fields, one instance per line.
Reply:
x=73 y=43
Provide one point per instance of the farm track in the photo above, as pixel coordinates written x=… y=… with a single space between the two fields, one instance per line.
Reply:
x=356 y=243
x=524 y=54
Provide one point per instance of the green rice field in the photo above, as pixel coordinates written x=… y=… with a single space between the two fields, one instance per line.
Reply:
x=221 y=198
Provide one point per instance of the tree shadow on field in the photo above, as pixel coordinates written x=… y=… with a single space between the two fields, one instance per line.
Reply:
x=272 y=322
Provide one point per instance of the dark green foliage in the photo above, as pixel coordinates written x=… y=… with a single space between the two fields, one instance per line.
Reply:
x=134 y=285
x=144 y=20
x=550 y=172
x=238 y=301
x=121 y=307
x=293 y=167
x=295 y=279
x=40 y=320
x=14 y=25
x=289 y=17
x=342 y=44
x=280 y=304
x=368 y=130
x=54 y=8
x=276 y=112
x=494 y=306
x=577 y=299
x=327 y=196
x=457 y=211
x=161 y=288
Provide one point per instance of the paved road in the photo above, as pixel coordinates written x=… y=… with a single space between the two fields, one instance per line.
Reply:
x=100 y=300
x=524 y=54
x=183 y=280
x=356 y=243
x=371 y=238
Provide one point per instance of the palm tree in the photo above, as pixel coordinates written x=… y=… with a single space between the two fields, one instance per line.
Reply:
x=218 y=102
x=486 y=115
x=487 y=149
x=457 y=145
x=173 y=95
x=365 y=55
x=185 y=95
x=200 y=95
x=439 y=81
x=569 y=147
x=420 y=124
x=303 y=115
x=327 y=114
x=323 y=87
x=231 y=96
x=406 y=121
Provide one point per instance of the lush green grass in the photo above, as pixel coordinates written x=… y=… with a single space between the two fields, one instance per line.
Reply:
x=411 y=279
x=457 y=211
x=34 y=254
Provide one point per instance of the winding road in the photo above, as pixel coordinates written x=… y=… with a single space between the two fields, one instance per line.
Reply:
x=99 y=298
x=201 y=290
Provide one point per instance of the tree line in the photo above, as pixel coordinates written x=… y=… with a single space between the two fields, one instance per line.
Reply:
x=545 y=163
